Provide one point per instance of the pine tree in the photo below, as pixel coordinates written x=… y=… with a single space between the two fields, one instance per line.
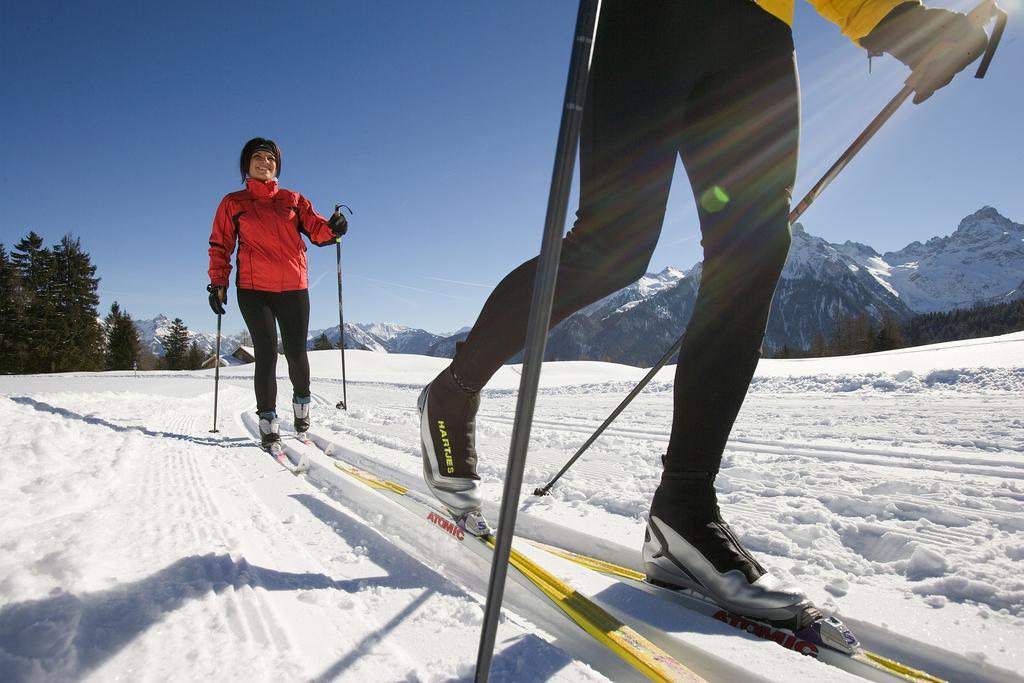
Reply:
x=11 y=315
x=75 y=333
x=322 y=343
x=54 y=299
x=818 y=347
x=34 y=267
x=176 y=345
x=194 y=360
x=890 y=334
x=851 y=334
x=123 y=342
x=784 y=352
x=983 y=321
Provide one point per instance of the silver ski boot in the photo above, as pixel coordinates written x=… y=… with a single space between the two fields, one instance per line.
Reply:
x=270 y=433
x=447 y=417
x=300 y=409
x=672 y=561
x=689 y=546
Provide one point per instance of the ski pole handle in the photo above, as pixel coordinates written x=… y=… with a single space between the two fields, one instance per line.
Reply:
x=993 y=40
x=939 y=66
x=338 y=223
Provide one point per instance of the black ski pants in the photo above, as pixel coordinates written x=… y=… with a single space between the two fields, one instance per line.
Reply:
x=263 y=312
x=715 y=83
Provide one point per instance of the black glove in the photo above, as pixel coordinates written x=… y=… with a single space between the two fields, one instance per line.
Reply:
x=218 y=297
x=936 y=44
x=337 y=222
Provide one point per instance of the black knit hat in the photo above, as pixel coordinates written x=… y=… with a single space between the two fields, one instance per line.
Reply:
x=258 y=145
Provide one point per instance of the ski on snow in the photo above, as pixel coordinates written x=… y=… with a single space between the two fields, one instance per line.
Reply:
x=280 y=454
x=277 y=450
x=621 y=639
x=297 y=468
x=827 y=640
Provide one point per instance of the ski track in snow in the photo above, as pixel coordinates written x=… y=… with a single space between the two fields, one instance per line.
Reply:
x=137 y=545
x=865 y=498
x=164 y=552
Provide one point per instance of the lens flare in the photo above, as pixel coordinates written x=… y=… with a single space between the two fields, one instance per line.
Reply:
x=714 y=199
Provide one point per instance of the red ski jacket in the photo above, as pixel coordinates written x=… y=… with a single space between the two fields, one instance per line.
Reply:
x=267 y=224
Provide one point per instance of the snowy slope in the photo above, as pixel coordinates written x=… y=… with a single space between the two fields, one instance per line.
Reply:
x=137 y=545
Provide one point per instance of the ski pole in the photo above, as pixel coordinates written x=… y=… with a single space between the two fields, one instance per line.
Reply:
x=539 y=320
x=543 y=490
x=980 y=16
x=343 y=403
x=216 y=377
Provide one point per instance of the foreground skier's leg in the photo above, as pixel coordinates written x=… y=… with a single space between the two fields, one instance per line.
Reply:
x=627 y=155
x=739 y=148
x=447 y=435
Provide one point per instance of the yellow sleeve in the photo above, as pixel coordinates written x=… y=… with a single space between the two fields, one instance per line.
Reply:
x=856 y=18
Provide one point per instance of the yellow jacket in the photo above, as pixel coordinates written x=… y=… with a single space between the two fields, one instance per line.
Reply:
x=855 y=17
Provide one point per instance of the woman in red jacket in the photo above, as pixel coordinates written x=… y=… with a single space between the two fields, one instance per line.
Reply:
x=267 y=224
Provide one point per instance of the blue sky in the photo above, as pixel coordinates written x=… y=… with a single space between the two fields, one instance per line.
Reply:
x=435 y=121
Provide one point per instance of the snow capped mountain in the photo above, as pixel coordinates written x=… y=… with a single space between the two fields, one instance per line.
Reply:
x=634 y=325
x=639 y=323
x=152 y=333
x=632 y=295
x=355 y=338
x=982 y=262
x=384 y=331
x=383 y=337
x=820 y=282
x=621 y=324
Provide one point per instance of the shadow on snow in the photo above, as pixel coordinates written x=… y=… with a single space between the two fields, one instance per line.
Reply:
x=527 y=658
x=235 y=442
x=66 y=636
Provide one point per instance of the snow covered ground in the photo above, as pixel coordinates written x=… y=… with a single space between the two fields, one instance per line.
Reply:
x=136 y=545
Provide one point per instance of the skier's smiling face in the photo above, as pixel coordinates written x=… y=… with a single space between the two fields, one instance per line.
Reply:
x=262 y=165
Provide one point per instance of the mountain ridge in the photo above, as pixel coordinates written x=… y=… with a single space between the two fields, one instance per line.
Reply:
x=980 y=262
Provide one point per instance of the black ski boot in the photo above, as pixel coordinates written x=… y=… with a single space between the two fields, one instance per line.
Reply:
x=270 y=432
x=300 y=409
x=447 y=441
x=689 y=546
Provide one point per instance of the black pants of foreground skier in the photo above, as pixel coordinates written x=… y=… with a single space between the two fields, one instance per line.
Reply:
x=716 y=84
x=262 y=312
